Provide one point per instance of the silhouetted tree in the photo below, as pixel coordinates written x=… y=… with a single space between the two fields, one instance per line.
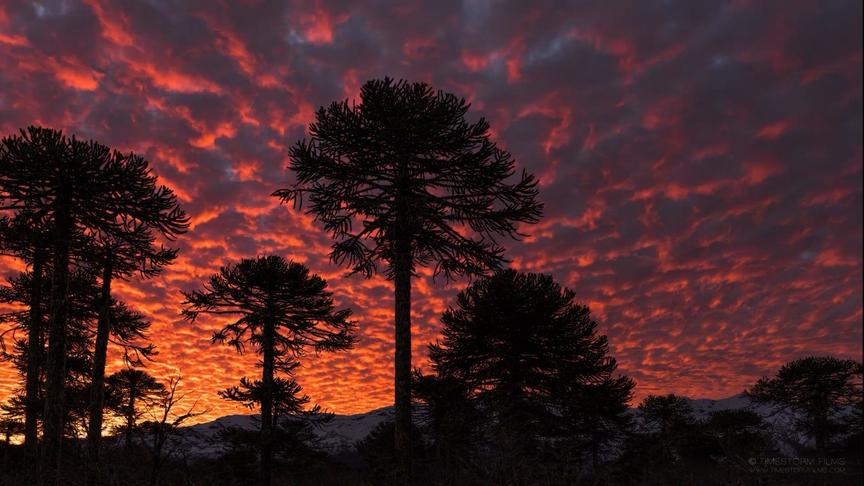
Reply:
x=824 y=390
x=283 y=311
x=670 y=419
x=83 y=293
x=666 y=413
x=26 y=236
x=84 y=189
x=378 y=452
x=595 y=410
x=129 y=393
x=402 y=179
x=286 y=397
x=127 y=333
x=528 y=353
x=736 y=434
x=9 y=426
x=166 y=422
x=453 y=422
x=135 y=251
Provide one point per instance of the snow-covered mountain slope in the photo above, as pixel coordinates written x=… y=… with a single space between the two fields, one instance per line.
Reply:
x=339 y=434
x=343 y=431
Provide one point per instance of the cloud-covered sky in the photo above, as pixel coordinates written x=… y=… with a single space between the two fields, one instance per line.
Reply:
x=700 y=162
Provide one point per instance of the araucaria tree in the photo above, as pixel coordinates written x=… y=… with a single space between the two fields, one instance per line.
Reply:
x=824 y=391
x=669 y=419
x=283 y=312
x=131 y=391
x=26 y=236
x=118 y=256
x=403 y=180
x=528 y=353
x=83 y=190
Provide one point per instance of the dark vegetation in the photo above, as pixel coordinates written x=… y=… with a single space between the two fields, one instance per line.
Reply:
x=521 y=388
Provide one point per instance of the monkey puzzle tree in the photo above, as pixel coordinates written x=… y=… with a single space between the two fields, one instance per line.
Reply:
x=825 y=391
x=119 y=256
x=29 y=316
x=402 y=179
x=454 y=422
x=523 y=348
x=282 y=311
x=595 y=410
x=671 y=419
x=127 y=331
x=130 y=391
x=286 y=397
x=26 y=236
x=84 y=189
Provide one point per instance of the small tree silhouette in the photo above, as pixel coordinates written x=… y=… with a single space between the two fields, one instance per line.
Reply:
x=595 y=408
x=283 y=311
x=166 y=421
x=130 y=392
x=402 y=179
x=820 y=388
x=670 y=420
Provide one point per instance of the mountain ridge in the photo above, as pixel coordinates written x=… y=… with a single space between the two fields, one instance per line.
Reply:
x=343 y=431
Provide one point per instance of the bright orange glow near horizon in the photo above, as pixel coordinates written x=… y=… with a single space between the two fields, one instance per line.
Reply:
x=700 y=165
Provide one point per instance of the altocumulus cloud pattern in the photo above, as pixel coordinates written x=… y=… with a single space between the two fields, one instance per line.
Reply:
x=700 y=162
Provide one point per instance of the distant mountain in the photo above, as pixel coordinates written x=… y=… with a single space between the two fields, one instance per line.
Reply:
x=343 y=431
x=337 y=435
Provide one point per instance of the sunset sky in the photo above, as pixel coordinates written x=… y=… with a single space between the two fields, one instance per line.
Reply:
x=700 y=163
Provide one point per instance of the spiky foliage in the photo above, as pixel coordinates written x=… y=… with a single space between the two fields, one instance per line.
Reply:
x=19 y=292
x=594 y=413
x=529 y=354
x=287 y=397
x=283 y=311
x=516 y=336
x=402 y=180
x=26 y=236
x=825 y=391
x=405 y=163
x=129 y=393
x=669 y=424
x=127 y=334
x=85 y=190
x=666 y=413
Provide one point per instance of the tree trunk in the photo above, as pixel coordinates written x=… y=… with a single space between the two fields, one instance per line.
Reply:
x=130 y=417
x=34 y=366
x=267 y=403
x=820 y=431
x=402 y=360
x=97 y=380
x=52 y=422
x=7 y=445
x=158 y=442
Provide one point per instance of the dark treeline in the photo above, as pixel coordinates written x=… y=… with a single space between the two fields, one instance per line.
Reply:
x=522 y=388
